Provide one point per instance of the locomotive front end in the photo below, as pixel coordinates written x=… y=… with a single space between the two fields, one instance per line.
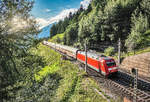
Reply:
x=110 y=66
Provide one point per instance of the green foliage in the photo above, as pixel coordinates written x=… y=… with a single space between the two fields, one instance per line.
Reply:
x=46 y=71
x=17 y=30
x=71 y=34
x=145 y=8
x=57 y=38
x=138 y=37
x=109 y=51
x=132 y=53
x=117 y=19
x=89 y=28
x=60 y=27
x=47 y=78
x=58 y=80
x=53 y=30
x=26 y=66
x=104 y=21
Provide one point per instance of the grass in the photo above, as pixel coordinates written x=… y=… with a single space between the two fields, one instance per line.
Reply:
x=57 y=38
x=140 y=51
x=72 y=85
x=51 y=58
x=45 y=71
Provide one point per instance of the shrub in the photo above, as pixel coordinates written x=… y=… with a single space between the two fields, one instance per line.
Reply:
x=109 y=51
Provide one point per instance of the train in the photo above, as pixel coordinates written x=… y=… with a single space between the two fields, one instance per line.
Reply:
x=102 y=64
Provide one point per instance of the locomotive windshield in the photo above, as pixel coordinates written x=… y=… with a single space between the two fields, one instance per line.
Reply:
x=110 y=64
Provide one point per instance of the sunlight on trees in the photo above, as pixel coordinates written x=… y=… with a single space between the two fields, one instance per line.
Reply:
x=17 y=29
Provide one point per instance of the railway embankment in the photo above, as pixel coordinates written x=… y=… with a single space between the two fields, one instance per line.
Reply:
x=140 y=62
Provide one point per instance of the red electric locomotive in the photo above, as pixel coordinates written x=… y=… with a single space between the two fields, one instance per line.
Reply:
x=100 y=63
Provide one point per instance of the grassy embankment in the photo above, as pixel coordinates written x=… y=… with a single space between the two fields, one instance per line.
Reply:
x=57 y=38
x=72 y=85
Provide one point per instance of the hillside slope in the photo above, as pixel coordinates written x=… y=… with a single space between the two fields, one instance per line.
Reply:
x=51 y=79
x=65 y=82
x=105 y=21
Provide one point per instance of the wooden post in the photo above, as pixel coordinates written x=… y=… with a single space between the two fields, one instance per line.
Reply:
x=86 y=55
x=119 y=51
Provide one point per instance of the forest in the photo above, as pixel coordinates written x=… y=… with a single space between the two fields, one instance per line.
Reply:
x=104 y=22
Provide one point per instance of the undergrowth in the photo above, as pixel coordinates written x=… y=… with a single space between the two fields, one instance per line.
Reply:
x=72 y=85
x=54 y=80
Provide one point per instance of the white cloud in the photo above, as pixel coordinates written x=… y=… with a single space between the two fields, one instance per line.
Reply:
x=65 y=13
x=42 y=22
x=62 y=15
x=47 y=10
x=85 y=3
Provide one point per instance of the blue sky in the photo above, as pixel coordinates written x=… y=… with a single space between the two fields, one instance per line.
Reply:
x=50 y=8
x=50 y=11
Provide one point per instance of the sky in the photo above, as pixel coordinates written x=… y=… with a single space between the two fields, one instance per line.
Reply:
x=49 y=11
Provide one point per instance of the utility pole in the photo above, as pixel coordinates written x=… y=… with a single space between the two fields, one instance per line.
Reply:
x=86 y=55
x=119 y=51
x=135 y=76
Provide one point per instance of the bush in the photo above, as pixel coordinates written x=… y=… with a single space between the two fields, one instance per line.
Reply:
x=109 y=51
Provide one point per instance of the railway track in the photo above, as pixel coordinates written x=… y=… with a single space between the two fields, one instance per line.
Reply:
x=122 y=84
